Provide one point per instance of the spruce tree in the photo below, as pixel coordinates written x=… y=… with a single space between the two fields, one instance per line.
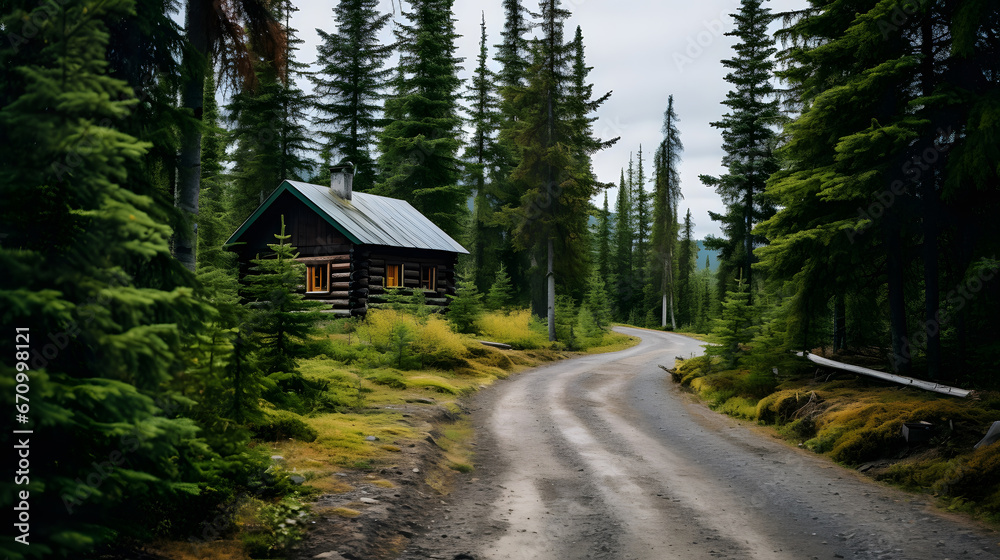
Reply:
x=501 y=293
x=749 y=139
x=686 y=257
x=466 y=307
x=623 y=249
x=554 y=183
x=268 y=127
x=513 y=54
x=419 y=147
x=282 y=318
x=596 y=301
x=870 y=190
x=643 y=223
x=580 y=106
x=214 y=226
x=705 y=304
x=106 y=339
x=513 y=58
x=603 y=256
x=666 y=195
x=349 y=87
x=487 y=235
x=735 y=327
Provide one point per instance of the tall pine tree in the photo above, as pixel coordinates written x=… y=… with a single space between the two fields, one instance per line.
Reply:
x=513 y=58
x=749 y=139
x=349 y=87
x=419 y=161
x=216 y=33
x=643 y=224
x=105 y=339
x=666 y=195
x=604 y=240
x=269 y=126
x=623 y=232
x=686 y=257
x=487 y=235
x=555 y=182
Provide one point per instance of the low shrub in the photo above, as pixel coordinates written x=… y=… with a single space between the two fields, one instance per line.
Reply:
x=388 y=378
x=779 y=408
x=277 y=425
x=975 y=478
x=739 y=407
x=518 y=328
x=272 y=528
x=436 y=383
x=691 y=369
x=437 y=346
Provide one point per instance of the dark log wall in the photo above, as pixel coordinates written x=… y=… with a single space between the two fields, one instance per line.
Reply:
x=339 y=282
x=368 y=275
x=311 y=234
x=356 y=272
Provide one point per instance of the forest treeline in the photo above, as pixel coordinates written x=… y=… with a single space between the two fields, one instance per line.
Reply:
x=859 y=200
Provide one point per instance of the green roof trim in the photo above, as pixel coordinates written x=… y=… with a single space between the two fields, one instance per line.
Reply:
x=364 y=219
x=285 y=186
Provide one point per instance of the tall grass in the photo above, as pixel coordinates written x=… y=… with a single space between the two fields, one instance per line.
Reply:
x=519 y=328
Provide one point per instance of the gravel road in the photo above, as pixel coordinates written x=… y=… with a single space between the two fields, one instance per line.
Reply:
x=604 y=457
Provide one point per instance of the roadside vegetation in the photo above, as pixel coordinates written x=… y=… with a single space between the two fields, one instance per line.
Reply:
x=349 y=405
x=858 y=423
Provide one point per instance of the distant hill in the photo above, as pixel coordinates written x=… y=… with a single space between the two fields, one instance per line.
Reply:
x=713 y=257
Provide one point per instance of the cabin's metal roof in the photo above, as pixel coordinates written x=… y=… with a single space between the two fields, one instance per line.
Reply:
x=366 y=219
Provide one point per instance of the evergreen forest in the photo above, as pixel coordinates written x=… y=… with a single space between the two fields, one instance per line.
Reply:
x=860 y=173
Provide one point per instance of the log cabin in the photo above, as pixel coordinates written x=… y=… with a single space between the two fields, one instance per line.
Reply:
x=355 y=246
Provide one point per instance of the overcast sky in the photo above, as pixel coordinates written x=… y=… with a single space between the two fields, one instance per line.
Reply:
x=643 y=51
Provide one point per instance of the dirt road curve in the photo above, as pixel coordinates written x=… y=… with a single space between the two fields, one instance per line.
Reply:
x=602 y=457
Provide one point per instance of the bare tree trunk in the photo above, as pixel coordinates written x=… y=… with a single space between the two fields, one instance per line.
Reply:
x=897 y=301
x=670 y=290
x=551 y=278
x=839 y=322
x=663 y=291
x=189 y=161
x=929 y=194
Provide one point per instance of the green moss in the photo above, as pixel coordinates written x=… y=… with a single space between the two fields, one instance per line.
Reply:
x=739 y=407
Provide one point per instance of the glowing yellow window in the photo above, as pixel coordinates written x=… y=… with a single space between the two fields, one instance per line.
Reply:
x=317 y=278
x=394 y=276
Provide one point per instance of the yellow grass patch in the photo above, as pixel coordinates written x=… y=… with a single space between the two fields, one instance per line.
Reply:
x=212 y=550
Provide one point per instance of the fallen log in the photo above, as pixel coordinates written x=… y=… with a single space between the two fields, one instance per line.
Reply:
x=891 y=377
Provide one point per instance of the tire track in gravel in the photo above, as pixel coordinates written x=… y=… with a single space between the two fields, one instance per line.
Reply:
x=603 y=457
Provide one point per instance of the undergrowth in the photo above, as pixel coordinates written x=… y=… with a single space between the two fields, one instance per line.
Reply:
x=858 y=424
x=342 y=411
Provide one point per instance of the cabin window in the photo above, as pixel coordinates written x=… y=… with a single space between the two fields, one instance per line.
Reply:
x=428 y=277
x=318 y=278
x=393 y=276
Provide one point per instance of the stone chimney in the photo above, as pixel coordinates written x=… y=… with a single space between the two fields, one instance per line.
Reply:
x=342 y=180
